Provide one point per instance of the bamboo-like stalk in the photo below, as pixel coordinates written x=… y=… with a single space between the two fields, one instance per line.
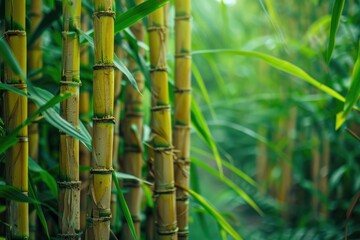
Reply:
x=84 y=116
x=182 y=111
x=69 y=184
x=15 y=113
x=99 y=211
x=117 y=110
x=164 y=191
x=133 y=128
x=35 y=63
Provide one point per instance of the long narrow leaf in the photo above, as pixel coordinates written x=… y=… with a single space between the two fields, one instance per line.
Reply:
x=9 y=59
x=124 y=206
x=229 y=183
x=229 y=166
x=353 y=94
x=200 y=125
x=136 y=13
x=46 y=21
x=38 y=208
x=335 y=22
x=118 y=64
x=279 y=64
x=46 y=177
x=213 y=212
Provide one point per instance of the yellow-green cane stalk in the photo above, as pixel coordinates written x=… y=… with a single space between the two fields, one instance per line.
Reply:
x=35 y=63
x=99 y=211
x=69 y=183
x=164 y=190
x=182 y=111
x=133 y=157
x=15 y=113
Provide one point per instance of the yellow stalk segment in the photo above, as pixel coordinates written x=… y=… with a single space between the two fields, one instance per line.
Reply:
x=182 y=111
x=15 y=113
x=99 y=211
x=164 y=191
x=69 y=183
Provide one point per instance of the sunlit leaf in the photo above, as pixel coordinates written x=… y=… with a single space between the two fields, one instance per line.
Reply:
x=279 y=64
x=136 y=13
x=200 y=125
x=353 y=94
x=213 y=212
x=124 y=206
x=229 y=183
x=335 y=22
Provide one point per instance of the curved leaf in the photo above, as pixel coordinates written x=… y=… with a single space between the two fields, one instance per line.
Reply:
x=136 y=13
x=124 y=206
x=279 y=64
x=335 y=22
x=229 y=183
x=213 y=212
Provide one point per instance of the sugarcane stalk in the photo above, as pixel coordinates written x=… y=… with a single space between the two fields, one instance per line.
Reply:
x=133 y=128
x=35 y=63
x=99 y=211
x=182 y=91
x=15 y=113
x=69 y=182
x=161 y=142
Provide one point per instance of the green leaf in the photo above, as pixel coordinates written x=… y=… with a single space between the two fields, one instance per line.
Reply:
x=14 y=194
x=200 y=82
x=11 y=138
x=213 y=212
x=136 y=13
x=273 y=18
x=120 y=175
x=38 y=208
x=353 y=94
x=41 y=97
x=229 y=183
x=279 y=64
x=45 y=176
x=46 y=21
x=148 y=196
x=7 y=141
x=118 y=64
x=9 y=59
x=229 y=166
x=200 y=125
x=335 y=22
x=124 y=207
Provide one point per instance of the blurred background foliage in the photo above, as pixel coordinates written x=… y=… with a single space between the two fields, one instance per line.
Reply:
x=285 y=172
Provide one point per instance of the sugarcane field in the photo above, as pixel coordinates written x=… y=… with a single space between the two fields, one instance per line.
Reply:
x=181 y=119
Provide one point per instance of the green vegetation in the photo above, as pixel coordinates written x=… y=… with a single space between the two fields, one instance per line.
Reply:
x=242 y=116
